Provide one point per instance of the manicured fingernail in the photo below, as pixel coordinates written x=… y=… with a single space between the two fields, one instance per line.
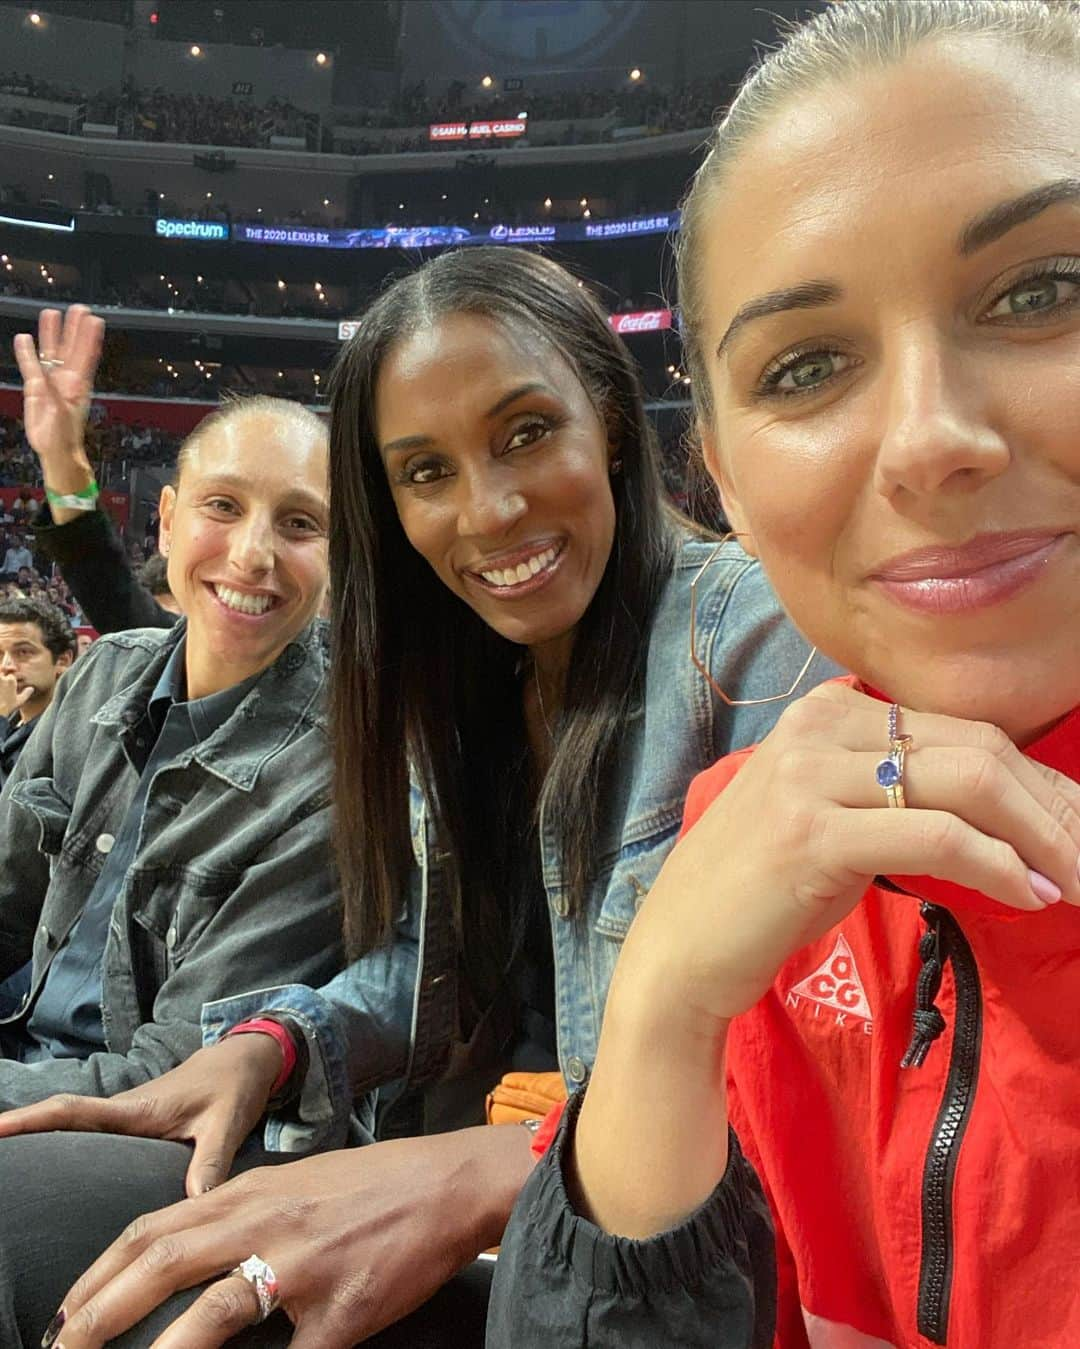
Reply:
x=1043 y=888
x=56 y=1325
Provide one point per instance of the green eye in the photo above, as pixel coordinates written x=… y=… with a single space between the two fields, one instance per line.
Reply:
x=803 y=372
x=1040 y=295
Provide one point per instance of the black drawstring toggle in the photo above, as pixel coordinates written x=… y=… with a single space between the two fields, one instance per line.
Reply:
x=929 y=1023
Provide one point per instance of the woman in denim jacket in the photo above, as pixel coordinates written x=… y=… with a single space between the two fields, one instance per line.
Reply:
x=536 y=702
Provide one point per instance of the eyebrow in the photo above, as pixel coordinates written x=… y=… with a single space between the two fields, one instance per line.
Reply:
x=978 y=233
x=988 y=227
x=424 y=442
x=235 y=480
x=806 y=295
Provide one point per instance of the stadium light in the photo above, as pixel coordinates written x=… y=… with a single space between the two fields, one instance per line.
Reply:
x=281 y=285
x=196 y=50
x=584 y=201
x=321 y=59
x=587 y=214
x=635 y=74
x=547 y=203
x=487 y=82
x=35 y=19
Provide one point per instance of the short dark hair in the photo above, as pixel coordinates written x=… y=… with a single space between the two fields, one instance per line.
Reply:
x=154 y=574
x=55 y=630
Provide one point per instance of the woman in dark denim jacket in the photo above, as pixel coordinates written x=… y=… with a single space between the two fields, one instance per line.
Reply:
x=512 y=638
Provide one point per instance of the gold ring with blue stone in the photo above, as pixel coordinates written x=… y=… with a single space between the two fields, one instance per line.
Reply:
x=890 y=770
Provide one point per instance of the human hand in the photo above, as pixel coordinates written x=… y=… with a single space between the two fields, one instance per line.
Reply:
x=213 y=1099
x=356 y=1240
x=11 y=696
x=789 y=847
x=56 y=397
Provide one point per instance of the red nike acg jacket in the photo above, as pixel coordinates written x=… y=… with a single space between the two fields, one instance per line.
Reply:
x=937 y=1203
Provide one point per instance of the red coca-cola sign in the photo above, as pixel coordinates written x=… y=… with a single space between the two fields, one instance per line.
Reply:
x=644 y=321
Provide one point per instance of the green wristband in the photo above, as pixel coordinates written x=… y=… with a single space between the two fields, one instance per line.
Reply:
x=84 y=500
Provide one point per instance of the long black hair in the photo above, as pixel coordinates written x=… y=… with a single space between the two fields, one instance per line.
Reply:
x=419 y=679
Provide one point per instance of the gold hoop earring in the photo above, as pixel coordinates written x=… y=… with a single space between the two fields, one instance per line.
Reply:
x=700 y=665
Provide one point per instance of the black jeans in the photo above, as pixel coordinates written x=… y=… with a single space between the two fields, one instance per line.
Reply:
x=65 y=1197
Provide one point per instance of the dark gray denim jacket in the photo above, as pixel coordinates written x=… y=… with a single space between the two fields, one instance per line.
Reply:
x=232 y=883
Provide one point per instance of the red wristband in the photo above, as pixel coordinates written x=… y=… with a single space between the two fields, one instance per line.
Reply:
x=262 y=1026
x=545 y=1135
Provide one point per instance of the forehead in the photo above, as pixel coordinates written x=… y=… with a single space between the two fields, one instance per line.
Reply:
x=17 y=634
x=460 y=360
x=889 y=164
x=271 y=454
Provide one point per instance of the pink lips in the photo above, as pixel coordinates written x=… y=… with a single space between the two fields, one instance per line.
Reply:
x=990 y=569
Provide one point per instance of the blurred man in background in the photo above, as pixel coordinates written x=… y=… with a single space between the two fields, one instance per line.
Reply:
x=36 y=647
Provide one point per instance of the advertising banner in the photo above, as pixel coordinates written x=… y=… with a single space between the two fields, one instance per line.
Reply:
x=644 y=321
x=487 y=129
x=215 y=231
x=454 y=236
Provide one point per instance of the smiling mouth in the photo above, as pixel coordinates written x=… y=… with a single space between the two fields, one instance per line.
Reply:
x=524 y=576
x=254 y=606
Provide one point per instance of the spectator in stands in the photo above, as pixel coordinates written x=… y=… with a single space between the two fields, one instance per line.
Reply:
x=167 y=825
x=154 y=578
x=36 y=647
x=17 y=560
x=513 y=607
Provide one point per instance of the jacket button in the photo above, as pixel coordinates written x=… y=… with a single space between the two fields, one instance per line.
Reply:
x=45 y=935
x=170 y=938
x=576 y=1070
x=561 y=906
x=105 y=843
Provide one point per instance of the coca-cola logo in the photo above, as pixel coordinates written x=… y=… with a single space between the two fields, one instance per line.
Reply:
x=647 y=321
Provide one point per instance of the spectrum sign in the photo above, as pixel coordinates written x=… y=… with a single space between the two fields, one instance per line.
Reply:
x=191 y=229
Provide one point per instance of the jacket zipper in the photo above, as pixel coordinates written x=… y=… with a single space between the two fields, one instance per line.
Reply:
x=939 y=1172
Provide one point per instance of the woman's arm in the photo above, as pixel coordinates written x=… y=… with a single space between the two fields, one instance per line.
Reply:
x=708 y=1282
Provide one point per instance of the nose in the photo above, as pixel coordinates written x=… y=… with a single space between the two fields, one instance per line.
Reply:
x=939 y=435
x=7 y=663
x=251 y=544
x=490 y=502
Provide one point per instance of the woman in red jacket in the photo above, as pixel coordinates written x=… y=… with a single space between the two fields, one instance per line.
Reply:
x=880 y=280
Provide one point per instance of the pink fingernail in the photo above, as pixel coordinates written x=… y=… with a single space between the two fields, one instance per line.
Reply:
x=1043 y=888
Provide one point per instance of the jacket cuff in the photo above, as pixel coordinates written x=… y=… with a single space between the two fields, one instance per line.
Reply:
x=724 y=1232
x=317 y=1116
x=69 y=542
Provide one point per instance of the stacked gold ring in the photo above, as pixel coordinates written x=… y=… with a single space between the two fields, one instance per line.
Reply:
x=889 y=772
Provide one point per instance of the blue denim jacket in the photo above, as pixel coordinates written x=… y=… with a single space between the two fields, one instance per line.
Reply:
x=391 y=1016
x=232 y=876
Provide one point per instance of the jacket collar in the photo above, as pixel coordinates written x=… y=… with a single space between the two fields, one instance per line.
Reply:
x=286 y=695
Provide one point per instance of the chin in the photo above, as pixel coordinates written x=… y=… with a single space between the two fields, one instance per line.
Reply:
x=1022 y=693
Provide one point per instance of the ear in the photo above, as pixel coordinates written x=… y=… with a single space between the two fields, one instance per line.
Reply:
x=718 y=470
x=166 y=509
x=64 y=659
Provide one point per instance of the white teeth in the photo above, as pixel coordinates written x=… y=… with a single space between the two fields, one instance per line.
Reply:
x=244 y=604
x=524 y=571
